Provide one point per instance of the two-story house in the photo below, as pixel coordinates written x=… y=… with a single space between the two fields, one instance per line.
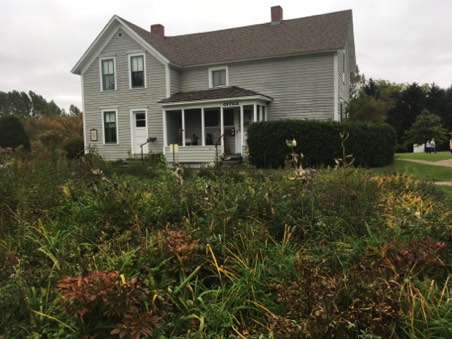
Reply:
x=201 y=91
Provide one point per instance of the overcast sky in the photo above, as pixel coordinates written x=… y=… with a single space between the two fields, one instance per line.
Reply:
x=402 y=41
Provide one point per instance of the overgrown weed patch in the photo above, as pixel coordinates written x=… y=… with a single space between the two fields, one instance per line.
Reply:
x=220 y=253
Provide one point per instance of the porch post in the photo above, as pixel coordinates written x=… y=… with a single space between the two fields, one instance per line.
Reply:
x=203 y=127
x=221 y=126
x=183 y=126
x=241 y=129
x=255 y=113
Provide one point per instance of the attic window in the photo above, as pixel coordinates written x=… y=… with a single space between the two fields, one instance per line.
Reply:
x=119 y=34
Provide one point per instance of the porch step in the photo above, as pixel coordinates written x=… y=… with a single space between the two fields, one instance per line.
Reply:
x=232 y=159
x=128 y=161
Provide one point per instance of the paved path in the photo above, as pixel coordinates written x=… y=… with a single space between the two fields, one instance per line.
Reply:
x=444 y=163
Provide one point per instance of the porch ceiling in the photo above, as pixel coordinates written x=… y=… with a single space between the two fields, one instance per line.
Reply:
x=215 y=94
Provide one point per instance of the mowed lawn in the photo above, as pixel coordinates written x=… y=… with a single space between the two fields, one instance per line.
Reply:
x=425 y=156
x=419 y=170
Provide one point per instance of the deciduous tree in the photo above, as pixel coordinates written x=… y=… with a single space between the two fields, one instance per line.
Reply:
x=427 y=126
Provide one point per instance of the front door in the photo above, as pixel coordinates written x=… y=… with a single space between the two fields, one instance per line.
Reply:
x=139 y=132
x=231 y=118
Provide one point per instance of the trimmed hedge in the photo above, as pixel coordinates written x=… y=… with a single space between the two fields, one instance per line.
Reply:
x=372 y=145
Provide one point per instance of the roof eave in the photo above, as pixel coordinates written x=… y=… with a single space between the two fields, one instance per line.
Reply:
x=211 y=101
x=77 y=69
x=258 y=59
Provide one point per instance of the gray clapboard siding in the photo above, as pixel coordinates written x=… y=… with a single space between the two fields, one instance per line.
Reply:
x=193 y=154
x=194 y=79
x=302 y=87
x=174 y=81
x=124 y=99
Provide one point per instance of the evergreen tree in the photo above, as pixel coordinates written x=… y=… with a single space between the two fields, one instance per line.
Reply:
x=409 y=103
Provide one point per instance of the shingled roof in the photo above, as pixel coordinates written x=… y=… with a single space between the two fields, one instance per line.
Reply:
x=327 y=32
x=213 y=94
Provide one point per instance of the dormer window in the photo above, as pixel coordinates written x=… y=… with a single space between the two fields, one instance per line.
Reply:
x=137 y=74
x=218 y=77
x=107 y=67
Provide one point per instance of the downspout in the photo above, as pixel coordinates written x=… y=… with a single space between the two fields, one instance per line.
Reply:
x=336 y=88
x=168 y=94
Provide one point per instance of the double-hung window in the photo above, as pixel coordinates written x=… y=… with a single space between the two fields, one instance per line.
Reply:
x=137 y=78
x=110 y=127
x=218 y=77
x=108 y=74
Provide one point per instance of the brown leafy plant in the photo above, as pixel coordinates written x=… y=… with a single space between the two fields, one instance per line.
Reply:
x=137 y=324
x=177 y=243
x=108 y=297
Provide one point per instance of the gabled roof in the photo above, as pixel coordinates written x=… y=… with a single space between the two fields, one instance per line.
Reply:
x=319 y=33
x=104 y=37
x=232 y=92
x=327 y=32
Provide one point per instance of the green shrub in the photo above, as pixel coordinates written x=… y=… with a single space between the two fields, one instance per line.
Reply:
x=12 y=133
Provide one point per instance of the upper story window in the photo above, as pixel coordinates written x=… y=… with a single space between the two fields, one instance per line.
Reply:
x=108 y=74
x=110 y=127
x=218 y=77
x=137 y=76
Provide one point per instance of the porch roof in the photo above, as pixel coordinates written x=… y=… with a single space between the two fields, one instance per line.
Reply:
x=223 y=93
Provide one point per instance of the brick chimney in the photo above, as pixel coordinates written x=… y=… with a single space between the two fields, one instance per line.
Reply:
x=277 y=15
x=158 y=30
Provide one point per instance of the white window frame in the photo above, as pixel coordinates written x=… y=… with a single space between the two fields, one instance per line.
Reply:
x=102 y=76
x=103 y=126
x=130 y=70
x=213 y=69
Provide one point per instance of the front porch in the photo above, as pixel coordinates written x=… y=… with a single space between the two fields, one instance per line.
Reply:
x=202 y=126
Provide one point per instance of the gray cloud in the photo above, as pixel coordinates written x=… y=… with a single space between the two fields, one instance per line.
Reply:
x=40 y=41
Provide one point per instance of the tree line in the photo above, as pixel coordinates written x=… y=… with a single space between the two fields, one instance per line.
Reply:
x=29 y=121
x=31 y=104
x=417 y=112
